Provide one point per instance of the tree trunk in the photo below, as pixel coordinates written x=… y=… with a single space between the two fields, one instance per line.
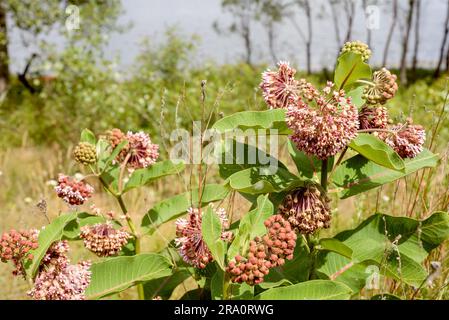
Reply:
x=308 y=10
x=417 y=36
x=271 y=44
x=390 y=32
x=408 y=28
x=368 y=30
x=4 y=55
x=336 y=26
x=443 y=44
x=350 y=12
x=246 y=33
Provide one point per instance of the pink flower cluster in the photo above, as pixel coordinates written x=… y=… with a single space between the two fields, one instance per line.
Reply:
x=58 y=279
x=373 y=117
x=15 y=246
x=103 y=239
x=328 y=127
x=306 y=209
x=190 y=241
x=139 y=153
x=406 y=139
x=266 y=252
x=73 y=192
x=279 y=87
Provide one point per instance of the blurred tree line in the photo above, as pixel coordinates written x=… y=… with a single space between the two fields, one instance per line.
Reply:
x=62 y=90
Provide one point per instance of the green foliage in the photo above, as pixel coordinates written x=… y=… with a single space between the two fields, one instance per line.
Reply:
x=211 y=231
x=171 y=208
x=117 y=274
x=310 y=290
x=350 y=68
x=397 y=245
x=358 y=174
x=52 y=232
x=377 y=151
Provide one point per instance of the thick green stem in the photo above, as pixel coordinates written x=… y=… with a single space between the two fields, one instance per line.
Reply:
x=324 y=174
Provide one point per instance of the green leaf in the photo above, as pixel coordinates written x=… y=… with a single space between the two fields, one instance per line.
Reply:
x=309 y=290
x=163 y=287
x=117 y=274
x=358 y=174
x=236 y=156
x=216 y=285
x=47 y=236
x=356 y=96
x=350 y=68
x=88 y=136
x=158 y=170
x=384 y=241
x=307 y=165
x=172 y=208
x=251 y=225
x=334 y=245
x=269 y=119
x=104 y=159
x=263 y=180
x=211 y=229
x=372 y=148
x=72 y=229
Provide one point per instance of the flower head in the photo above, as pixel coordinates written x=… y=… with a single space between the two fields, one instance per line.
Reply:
x=73 y=192
x=357 y=47
x=58 y=279
x=384 y=88
x=279 y=87
x=191 y=244
x=407 y=139
x=266 y=252
x=103 y=239
x=139 y=153
x=306 y=209
x=15 y=246
x=69 y=283
x=373 y=117
x=85 y=153
x=322 y=124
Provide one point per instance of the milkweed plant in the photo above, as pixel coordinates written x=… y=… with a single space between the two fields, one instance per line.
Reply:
x=342 y=143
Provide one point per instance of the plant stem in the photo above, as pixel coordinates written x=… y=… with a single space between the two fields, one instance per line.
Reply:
x=131 y=226
x=324 y=174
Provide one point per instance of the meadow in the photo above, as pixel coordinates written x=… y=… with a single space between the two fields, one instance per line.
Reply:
x=40 y=131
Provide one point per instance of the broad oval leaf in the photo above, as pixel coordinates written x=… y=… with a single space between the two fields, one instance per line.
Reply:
x=117 y=274
x=236 y=156
x=211 y=229
x=158 y=170
x=171 y=208
x=88 y=136
x=268 y=119
x=388 y=240
x=258 y=180
x=334 y=245
x=251 y=225
x=358 y=174
x=372 y=148
x=309 y=290
x=350 y=68
x=51 y=233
